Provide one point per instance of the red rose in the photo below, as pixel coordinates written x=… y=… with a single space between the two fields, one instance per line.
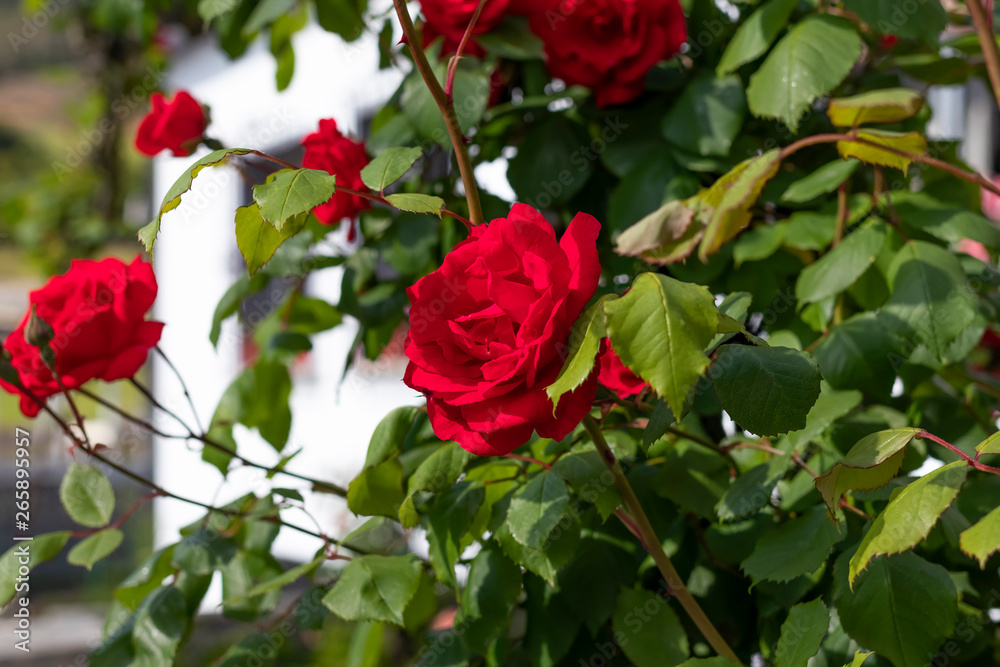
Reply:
x=609 y=45
x=450 y=19
x=331 y=151
x=487 y=328
x=97 y=311
x=616 y=376
x=177 y=125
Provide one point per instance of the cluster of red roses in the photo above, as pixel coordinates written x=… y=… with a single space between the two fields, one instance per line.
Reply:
x=606 y=45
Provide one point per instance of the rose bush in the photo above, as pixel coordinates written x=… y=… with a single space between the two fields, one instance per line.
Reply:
x=488 y=326
x=177 y=125
x=97 y=311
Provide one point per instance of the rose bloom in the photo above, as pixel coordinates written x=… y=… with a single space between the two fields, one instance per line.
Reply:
x=616 y=376
x=331 y=151
x=177 y=125
x=488 y=327
x=609 y=45
x=450 y=19
x=97 y=311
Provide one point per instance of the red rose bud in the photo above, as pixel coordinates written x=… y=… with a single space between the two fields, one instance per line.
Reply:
x=450 y=19
x=38 y=333
x=616 y=376
x=487 y=328
x=177 y=125
x=96 y=312
x=331 y=151
x=609 y=45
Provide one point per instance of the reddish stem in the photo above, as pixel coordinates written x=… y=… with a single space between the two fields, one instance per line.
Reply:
x=122 y=519
x=528 y=459
x=974 y=462
x=453 y=63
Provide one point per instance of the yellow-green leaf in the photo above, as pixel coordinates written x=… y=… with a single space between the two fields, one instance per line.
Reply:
x=890 y=105
x=909 y=142
x=870 y=464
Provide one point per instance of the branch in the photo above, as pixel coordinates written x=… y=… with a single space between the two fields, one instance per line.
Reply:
x=647 y=536
x=988 y=43
x=453 y=63
x=974 y=462
x=447 y=108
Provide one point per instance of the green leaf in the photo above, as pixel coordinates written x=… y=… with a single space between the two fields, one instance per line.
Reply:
x=537 y=508
x=952 y=225
x=756 y=34
x=210 y=9
x=840 y=268
x=751 y=491
x=244 y=572
x=341 y=17
x=811 y=60
x=258 y=398
x=264 y=14
x=388 y=167
x=448 y=521
x=230 y=302
x=95 y=547
x=663 y=236
x=859 y=659
x=492 y=589
x=257 y=238
x=911 y=513
x=767 y=391
x=159 y=626
x=87 y=496
x=990 y=445
x=285 y=578
x=437 y=472
x=856 y=354
x=888 y=105
x=470 y=93
x=902 y=607
x=801 y=634
x=590 y=479
x=546 y=564
x=417 y=203
x=38 y=550
x=923 y=20
x=908 y=142
x=730 y=198
x=983 y=539
x=378 y=490
x=147 y=235
x=795 y=548
x=255 y=649
x=660 y=329
x=584 y=344
x=708 y=115
x=870 y=464
x=648 y=630
x=513 y=39
x=824 y=180
x=146 y=578
x=203 y=552
x=292 y=192
x=931 y=301
x=375 y=588
x=759 y=243
x=389 y=435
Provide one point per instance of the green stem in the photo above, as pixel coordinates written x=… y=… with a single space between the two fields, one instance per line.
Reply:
x=647 y=535
x=447 y=108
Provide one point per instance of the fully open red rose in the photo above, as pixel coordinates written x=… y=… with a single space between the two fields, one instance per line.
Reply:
x=450 y=19
x=487 y=328
x=331 y=151
x=98 y=313
x=609 y=45
x=616 y=376
x=177 y=125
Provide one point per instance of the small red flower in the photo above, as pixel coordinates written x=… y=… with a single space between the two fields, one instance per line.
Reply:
x=609 y=45
x=177 y=125
x=616 y=376
x=487 y=329
x=331 y=151
x=97 y=311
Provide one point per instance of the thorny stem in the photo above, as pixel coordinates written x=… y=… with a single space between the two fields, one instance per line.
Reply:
x=358 y=193
x=974 y=462
x=453 y=64
x=447 y=107
x=318 y=485
x=991 y=53
x=647 y=536
x=977 y=179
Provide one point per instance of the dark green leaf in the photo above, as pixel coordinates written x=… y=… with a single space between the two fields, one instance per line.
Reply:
x=708 y=115
x=801 y=634
x=922 y=20
x=824 y=180
x=449 y=520
x=838 y=269
x=756 y=34
x=375 y=588
x=492 y=589
x=378 y=490
x=648 y=630
x=856 y=354
x=537 y=508
x=795 y=548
